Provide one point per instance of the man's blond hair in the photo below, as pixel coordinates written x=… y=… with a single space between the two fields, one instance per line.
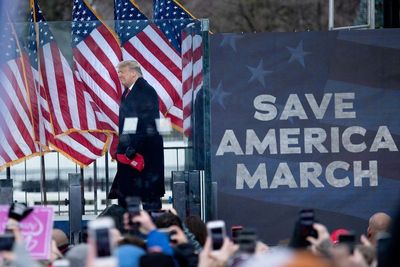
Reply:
x=131 y=64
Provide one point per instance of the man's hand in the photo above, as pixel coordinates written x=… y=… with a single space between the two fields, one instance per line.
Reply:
x=130 y=152
x=261 y=248
x=216 y=258
x=225 y=253
x=178 y=237
x=321 y=244
x=19 y=211
x=204 y=257
x=145 y=222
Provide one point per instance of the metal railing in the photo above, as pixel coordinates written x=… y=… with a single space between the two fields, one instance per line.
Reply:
x=96 y=182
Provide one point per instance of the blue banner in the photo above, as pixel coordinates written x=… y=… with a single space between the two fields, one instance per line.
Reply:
x=305 y=120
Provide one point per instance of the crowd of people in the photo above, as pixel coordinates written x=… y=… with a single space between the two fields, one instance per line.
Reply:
x=162 y=239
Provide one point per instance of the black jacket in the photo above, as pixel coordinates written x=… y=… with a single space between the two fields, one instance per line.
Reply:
x=141 y=102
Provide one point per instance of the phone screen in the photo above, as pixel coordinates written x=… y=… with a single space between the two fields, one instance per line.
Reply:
x=217 y=237
x=6 y=241
x=348 y=240
x=247 y=240
x=382 y=248
x=157 y=213
x=61 y=263
x=235 y=230
x=306 y=223
x=133 y=205
x=303 y=228
x=103 y=244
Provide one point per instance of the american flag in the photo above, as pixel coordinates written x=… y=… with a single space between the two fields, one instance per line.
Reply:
x=82 y=148
x=183 y=32
x=161 y=64
x=63 y=90
x=96 y=54
x=16 y=127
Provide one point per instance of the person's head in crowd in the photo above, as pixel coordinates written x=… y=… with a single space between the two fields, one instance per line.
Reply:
x=116 y=212
x=378 y=223
x=129 y=255
x=197 y=227
x=284 y=257
x=388 y=248
x=132 y=240
x=306 y=259
x=168 y=219
x=156 y=259
x=61 y=240
x=78 y=255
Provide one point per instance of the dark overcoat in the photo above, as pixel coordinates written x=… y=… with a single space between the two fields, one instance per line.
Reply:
x=140 y=102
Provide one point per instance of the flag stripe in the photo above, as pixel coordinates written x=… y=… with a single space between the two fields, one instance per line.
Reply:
x=106 y=104
x=161 y=47
x=96 y=53
x=14 y=139
x=98 y=64
x=155 y=67
x=12 y=94
x=52 y=79
x=16 y=116
x=163 y=87
x=93 y=78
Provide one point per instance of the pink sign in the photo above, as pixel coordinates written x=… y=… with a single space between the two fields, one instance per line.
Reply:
x=36 y=230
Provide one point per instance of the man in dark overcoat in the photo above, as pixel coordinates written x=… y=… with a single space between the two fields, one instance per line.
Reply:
x=140 y=101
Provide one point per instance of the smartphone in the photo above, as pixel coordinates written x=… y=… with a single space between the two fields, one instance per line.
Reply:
x=349 y=240
x=7 y=241
x=303 y=228
x=169 y=233
x=235 y=230
x=217 y=232
x=247 y=240
x=61 y=263
x=133 y=207
x=157 y=213
x=99 y=231
x=306 y=220
x=383 y=243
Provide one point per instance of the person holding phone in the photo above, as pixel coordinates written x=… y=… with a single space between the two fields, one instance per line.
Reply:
x=210 y=256
x=156 y=241
x=15 y=252
x=140 y=155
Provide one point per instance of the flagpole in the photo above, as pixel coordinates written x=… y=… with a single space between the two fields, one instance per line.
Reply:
x=42 y=161
x=210 y=199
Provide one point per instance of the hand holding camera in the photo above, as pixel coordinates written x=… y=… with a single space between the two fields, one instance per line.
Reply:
x=133 y=208
x=146 y=223
x=247 y=240
x=16 y=213
x=210 y=257
x=216 y=230
x=303 y=229
x=6 y=241
x=19 y=211
x=101 y=242
x=321 y=243
x=176 y=235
